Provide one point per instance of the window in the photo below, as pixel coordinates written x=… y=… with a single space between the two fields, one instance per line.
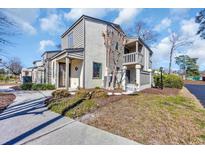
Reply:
x=116 y=46
x=97 y=70
x=70 y=40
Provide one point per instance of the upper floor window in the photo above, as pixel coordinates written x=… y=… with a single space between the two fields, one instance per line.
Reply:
x=116 y=46
x=97 y=70
x=70 y=40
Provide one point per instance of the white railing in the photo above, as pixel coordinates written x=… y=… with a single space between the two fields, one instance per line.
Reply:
x=132 y=58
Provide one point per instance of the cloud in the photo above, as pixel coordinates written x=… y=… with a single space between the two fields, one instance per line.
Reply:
x=52 y=24
x=127 y=15
x=189 y=27
x=197 y=51
x=24 y=18
x=179 y=11
x=165 y=23
x=161 y=53
x=44 y=44
x=75 y=13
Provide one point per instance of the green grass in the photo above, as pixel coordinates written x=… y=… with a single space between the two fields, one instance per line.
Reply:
x=73 y=107
x=85 y=107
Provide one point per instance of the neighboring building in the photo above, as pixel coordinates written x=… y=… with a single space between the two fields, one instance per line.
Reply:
x=26 y=75
x=84 y=62
x=38 y=72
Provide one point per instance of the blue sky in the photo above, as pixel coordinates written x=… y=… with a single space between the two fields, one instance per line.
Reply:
x=41 y=30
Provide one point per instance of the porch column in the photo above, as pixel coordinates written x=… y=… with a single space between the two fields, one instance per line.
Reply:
x=124 y=77
x=138 y=67
x=107 y=78
x=57 y=75
x=136 y=46
x=67 y=61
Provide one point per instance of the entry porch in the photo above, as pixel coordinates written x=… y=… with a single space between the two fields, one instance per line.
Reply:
x=68 y=69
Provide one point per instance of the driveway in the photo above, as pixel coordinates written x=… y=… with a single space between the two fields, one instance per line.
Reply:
x=198 y=91
x=27 y=121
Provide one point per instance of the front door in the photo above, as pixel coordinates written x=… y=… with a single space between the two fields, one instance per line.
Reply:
x=62 y=74
x=128 y=76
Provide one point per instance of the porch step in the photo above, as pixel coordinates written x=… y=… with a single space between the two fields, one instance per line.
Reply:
x=131 y=88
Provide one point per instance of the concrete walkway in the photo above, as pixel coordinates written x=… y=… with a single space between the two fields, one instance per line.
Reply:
x=27 y=121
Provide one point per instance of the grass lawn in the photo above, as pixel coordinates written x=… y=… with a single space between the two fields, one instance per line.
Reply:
x=145 y=118
x=153 y=119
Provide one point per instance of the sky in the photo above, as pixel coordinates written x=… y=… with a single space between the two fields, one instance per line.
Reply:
x=40 y=30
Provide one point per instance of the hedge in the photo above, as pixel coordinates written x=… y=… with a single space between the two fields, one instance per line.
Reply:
x=169 y=81
x=33 y=86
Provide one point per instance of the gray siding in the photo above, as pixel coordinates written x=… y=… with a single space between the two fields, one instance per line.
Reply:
x=95 y=51
x=144 y=78
x=78 y=36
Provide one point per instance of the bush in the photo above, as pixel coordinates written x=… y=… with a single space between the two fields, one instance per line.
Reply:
x=60 y=93
x=43 y=87
x=33 y=86
x=169 y=81
x=99 y=94
x=81 y=93
x=26 y=86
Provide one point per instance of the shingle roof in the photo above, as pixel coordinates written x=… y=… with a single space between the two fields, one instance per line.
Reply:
x=50 y=52
x=116 y=26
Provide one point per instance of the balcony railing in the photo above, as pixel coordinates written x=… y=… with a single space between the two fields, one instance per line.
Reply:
x=133 y=58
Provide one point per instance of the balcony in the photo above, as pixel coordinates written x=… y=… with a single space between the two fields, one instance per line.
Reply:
x=133 y=58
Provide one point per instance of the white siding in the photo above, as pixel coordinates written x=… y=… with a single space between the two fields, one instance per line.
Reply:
x=76 y=75
x=78 y=36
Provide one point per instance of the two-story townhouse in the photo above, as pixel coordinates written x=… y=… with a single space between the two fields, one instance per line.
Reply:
x=84 y=61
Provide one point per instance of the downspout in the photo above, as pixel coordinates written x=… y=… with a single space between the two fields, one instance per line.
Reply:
x=84 y=54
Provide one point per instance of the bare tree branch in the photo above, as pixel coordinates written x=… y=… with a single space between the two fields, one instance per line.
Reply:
x=176 y=42
x=14 y=65
x=8 y=28
x=143 y=31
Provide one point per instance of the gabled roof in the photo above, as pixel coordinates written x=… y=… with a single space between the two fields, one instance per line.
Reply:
x=69 y=50
x=53 y=51
x=115 y=26
x=36 y=61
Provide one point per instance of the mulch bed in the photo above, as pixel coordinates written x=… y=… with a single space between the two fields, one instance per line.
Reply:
x=164 y=91
x=6 y=100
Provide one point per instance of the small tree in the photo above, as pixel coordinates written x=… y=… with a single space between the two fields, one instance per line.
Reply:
x=188 y=65
x=200 y=19
x=113 y=51
x=176 y=42
x=14 y=65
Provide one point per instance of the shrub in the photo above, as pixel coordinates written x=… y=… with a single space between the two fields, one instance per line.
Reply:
x=169 y=81
x=50 y=87
x=43 y=87
x=82 y=93
x=60 y=93
x=99 y=93
x=26 y=86
x=33 y=86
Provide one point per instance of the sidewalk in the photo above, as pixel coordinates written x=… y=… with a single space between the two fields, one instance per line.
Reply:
x=27 y=121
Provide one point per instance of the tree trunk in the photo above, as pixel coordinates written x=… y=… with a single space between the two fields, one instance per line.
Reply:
x=170 y=61
x=112 y=86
